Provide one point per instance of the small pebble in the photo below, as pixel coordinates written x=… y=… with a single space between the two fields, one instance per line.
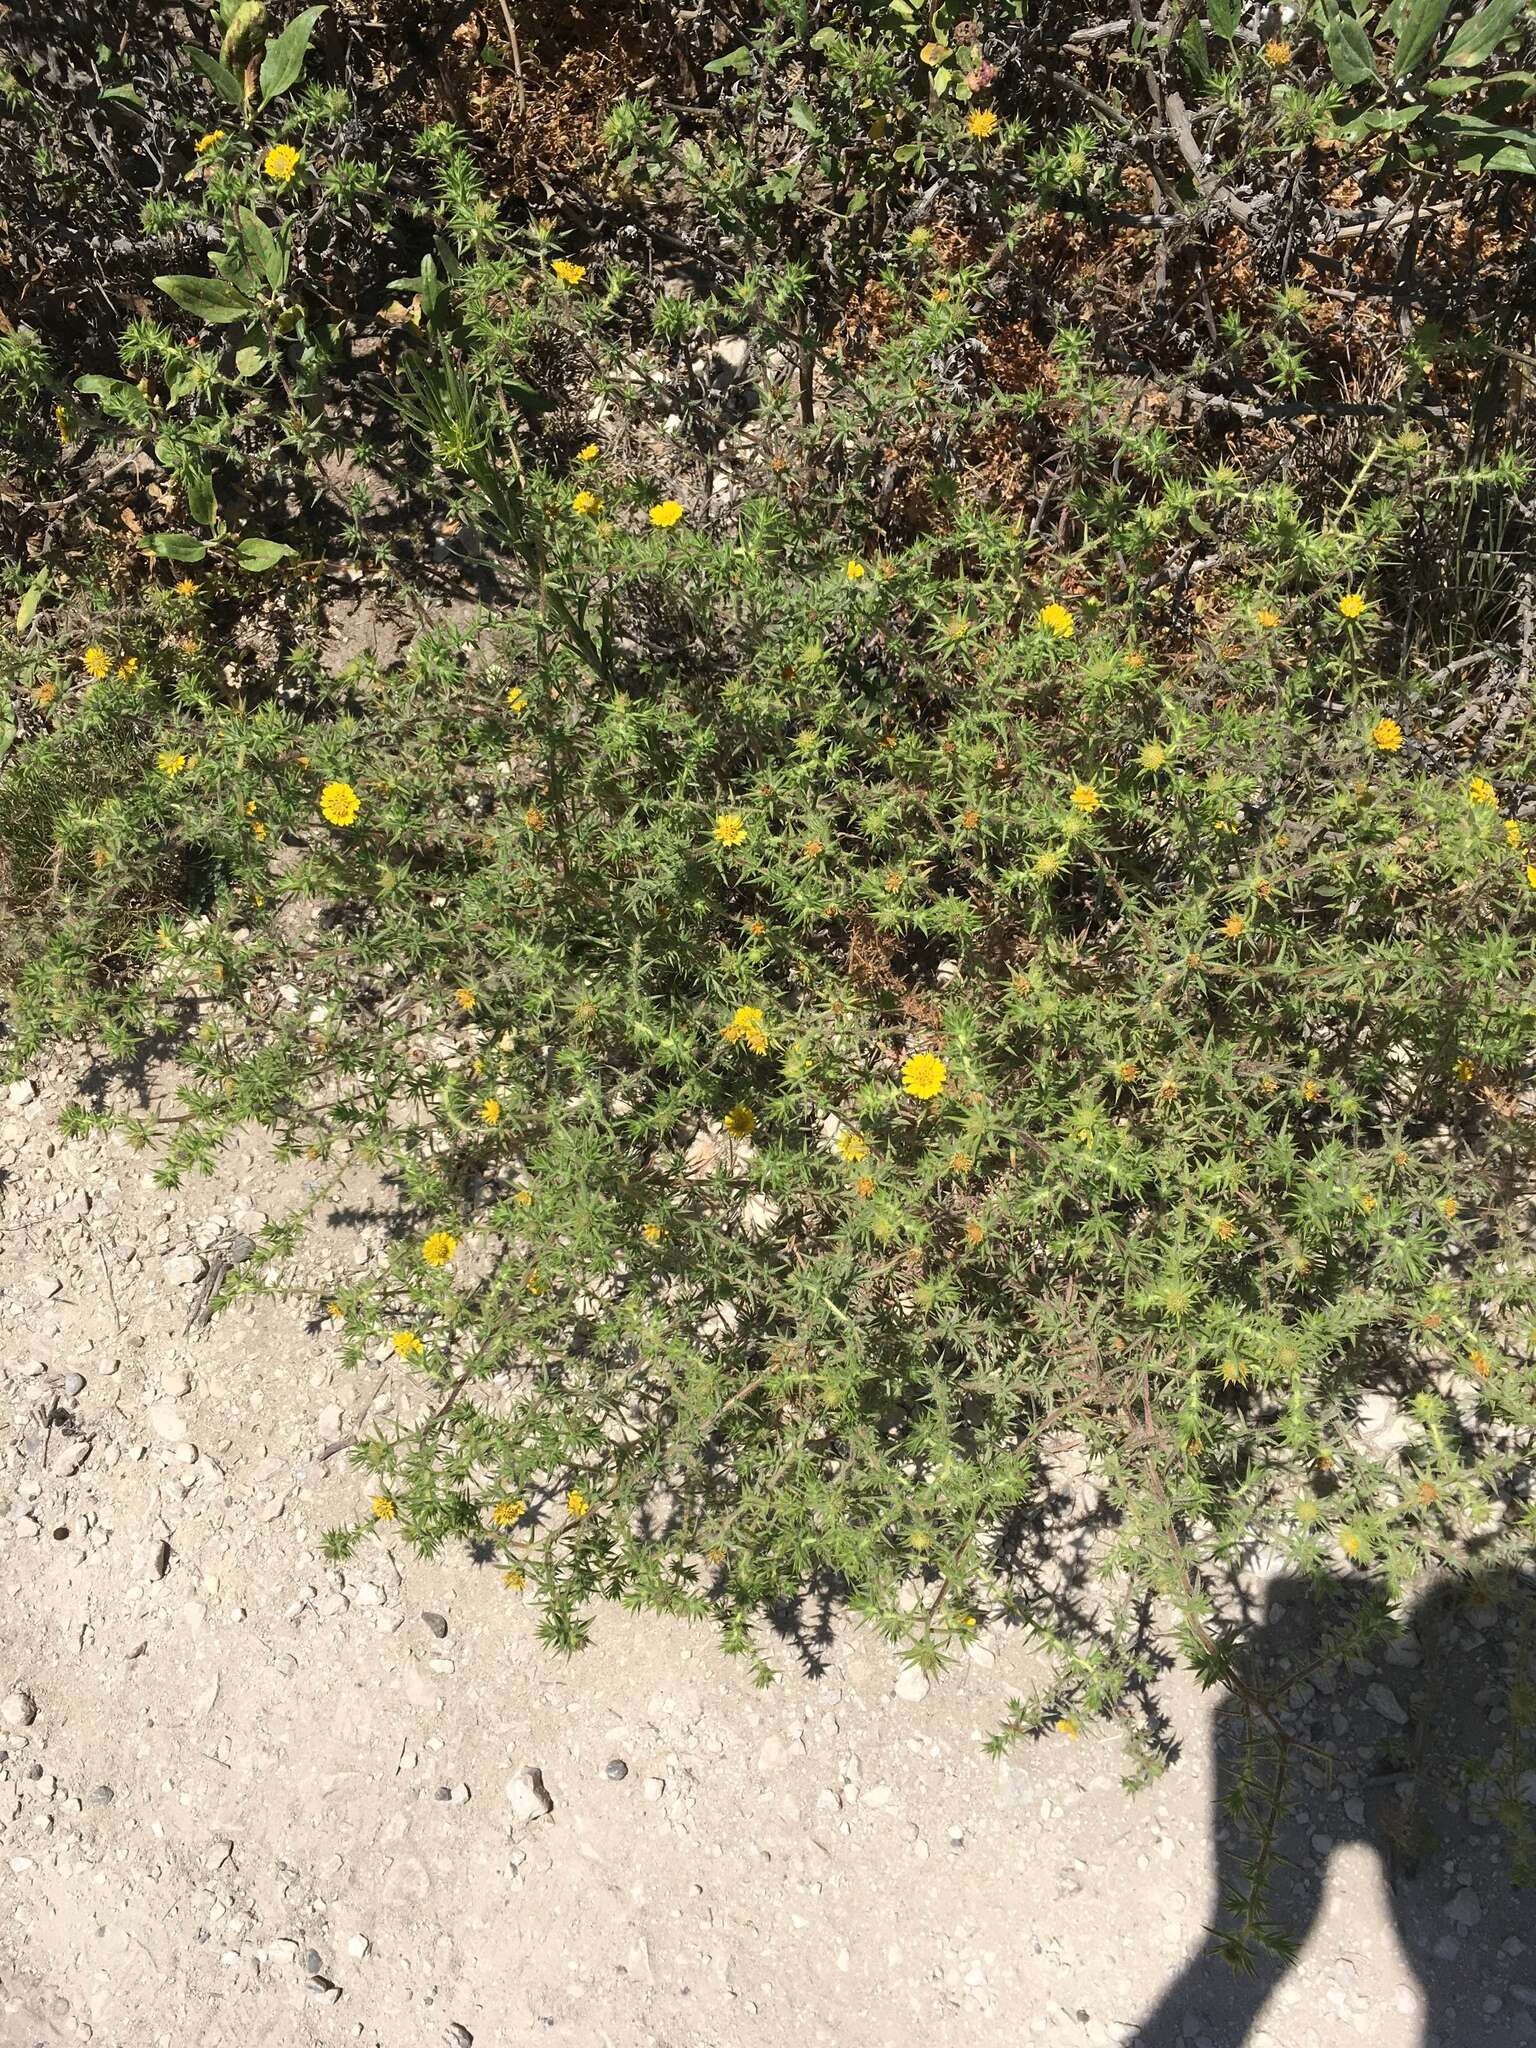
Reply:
x=436 y=1623
x=357 y=1947
x=458 y=2036
x=312 y=1961
x=103 y=1795
x=616 y=1768
x=74 y=1383
x=18 y=1710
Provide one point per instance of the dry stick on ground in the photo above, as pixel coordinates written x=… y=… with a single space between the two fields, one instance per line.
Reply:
x=517 y=58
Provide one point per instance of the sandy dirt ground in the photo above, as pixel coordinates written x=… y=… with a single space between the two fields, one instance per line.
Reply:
x=247 y=1798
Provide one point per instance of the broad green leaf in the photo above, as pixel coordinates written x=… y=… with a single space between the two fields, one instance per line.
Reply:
x=32 y=597
x=128 y=396
x=261 y=554
x=264 y=249
x=198 y=485
x=1513 y=158
x=733 y=60
x=1349 y=51
x=1478 y=38
x=248 y=361
x=1421 y=24
x=220 y=77
x=177 y=547
x=284 y=58
x=1223 y=17
x=208 y=298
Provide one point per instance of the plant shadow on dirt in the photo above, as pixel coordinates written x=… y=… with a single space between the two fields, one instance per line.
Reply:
x=1417 y=1744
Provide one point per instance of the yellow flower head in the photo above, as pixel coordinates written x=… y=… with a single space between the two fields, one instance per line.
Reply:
x=588 y=454
x=730 y=829
x=490 y=1111
x=524 y=1198
x=587 y=504
x=1234 y=926
x=534 y=818
x=864 y=1187
x=517 y=703
x=514 y=1578
x=384 y=1509
x=667 y=513
x=981 y=124
x=852 y=1147
x=506 y=1512
x=653 y=1233
x=1480 y=791
x=170 y=764
x=746 y=1028
x=439 y=1248
x=1085 y=797
x=209 y=141
x=924 y=1075
x=407 y=1344
x=339 y=803
x=577 y=1504
x=740 y=1121
x=186 y=587
x=280 y=162
x=1266 y=618
x=1530 y=874
x=1153 y=755
x=1068 y=1727
x=465 y=998
x=96 y=662
x=1514 y=832
x=1055 y=618
x=567 y=272
x=1352 y=605
x=1276 y=54
x=855 y=572
x=1387 y=735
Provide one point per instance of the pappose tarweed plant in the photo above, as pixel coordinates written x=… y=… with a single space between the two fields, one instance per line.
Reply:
x=871 y=983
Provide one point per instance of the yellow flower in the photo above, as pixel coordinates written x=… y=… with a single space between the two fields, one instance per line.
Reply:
x=1448 y=1208
x=864 y=1187
x=1085 y=797
x=1514 y=834
x=1277 y=53
x=209 y=141
x=855 y=572
x=384 y=1509
x=339 y=803
x=961 y=1162
x=280 y=162
x=588 y=454
x=465 y=998
x=186 y=587
x=981 y=124
x=439 y=1247
x=96 y=662
x=534 y=818
x=1267 y=619
x=1480 y=791
x=1387 y=734
x=667 y=513
x=524 y=1198
x=1128 y=1071
x=1530 y=874
x=1234 y=926
x=920 y=238
x=407 y=1344
x=517 y=703
x=577 y=1504
x=1068 y=1727
x=974 y=1233
x=740 y=1121
x=652 y=1233
x=1153 y=755
x=1478 y=1360
x=852 y=1147
x=567 y=272
x=746 y=1028
x=170 y=764
x=587 y=503
x=490 y=1111
x=1465 y=1070
x=813 y=849
x=924 y=1075
x=506 y=1512
x=730 y=829
x=957 y=627
x=1055 y=618
x=514 y=1578
x=1352 y=605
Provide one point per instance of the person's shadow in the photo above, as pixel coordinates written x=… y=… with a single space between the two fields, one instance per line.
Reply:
x=1422 y=1744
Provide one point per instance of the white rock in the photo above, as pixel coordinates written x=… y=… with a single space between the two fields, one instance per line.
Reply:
x=357 y=1947
x=17 y=1710
x=20 y=1093
x=184 y=1268
x=911 y=1685
x=217 y=1854
x=527 y=1795
x=166 y=1423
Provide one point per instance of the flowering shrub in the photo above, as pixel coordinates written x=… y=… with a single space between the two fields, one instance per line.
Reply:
x=938 y=910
